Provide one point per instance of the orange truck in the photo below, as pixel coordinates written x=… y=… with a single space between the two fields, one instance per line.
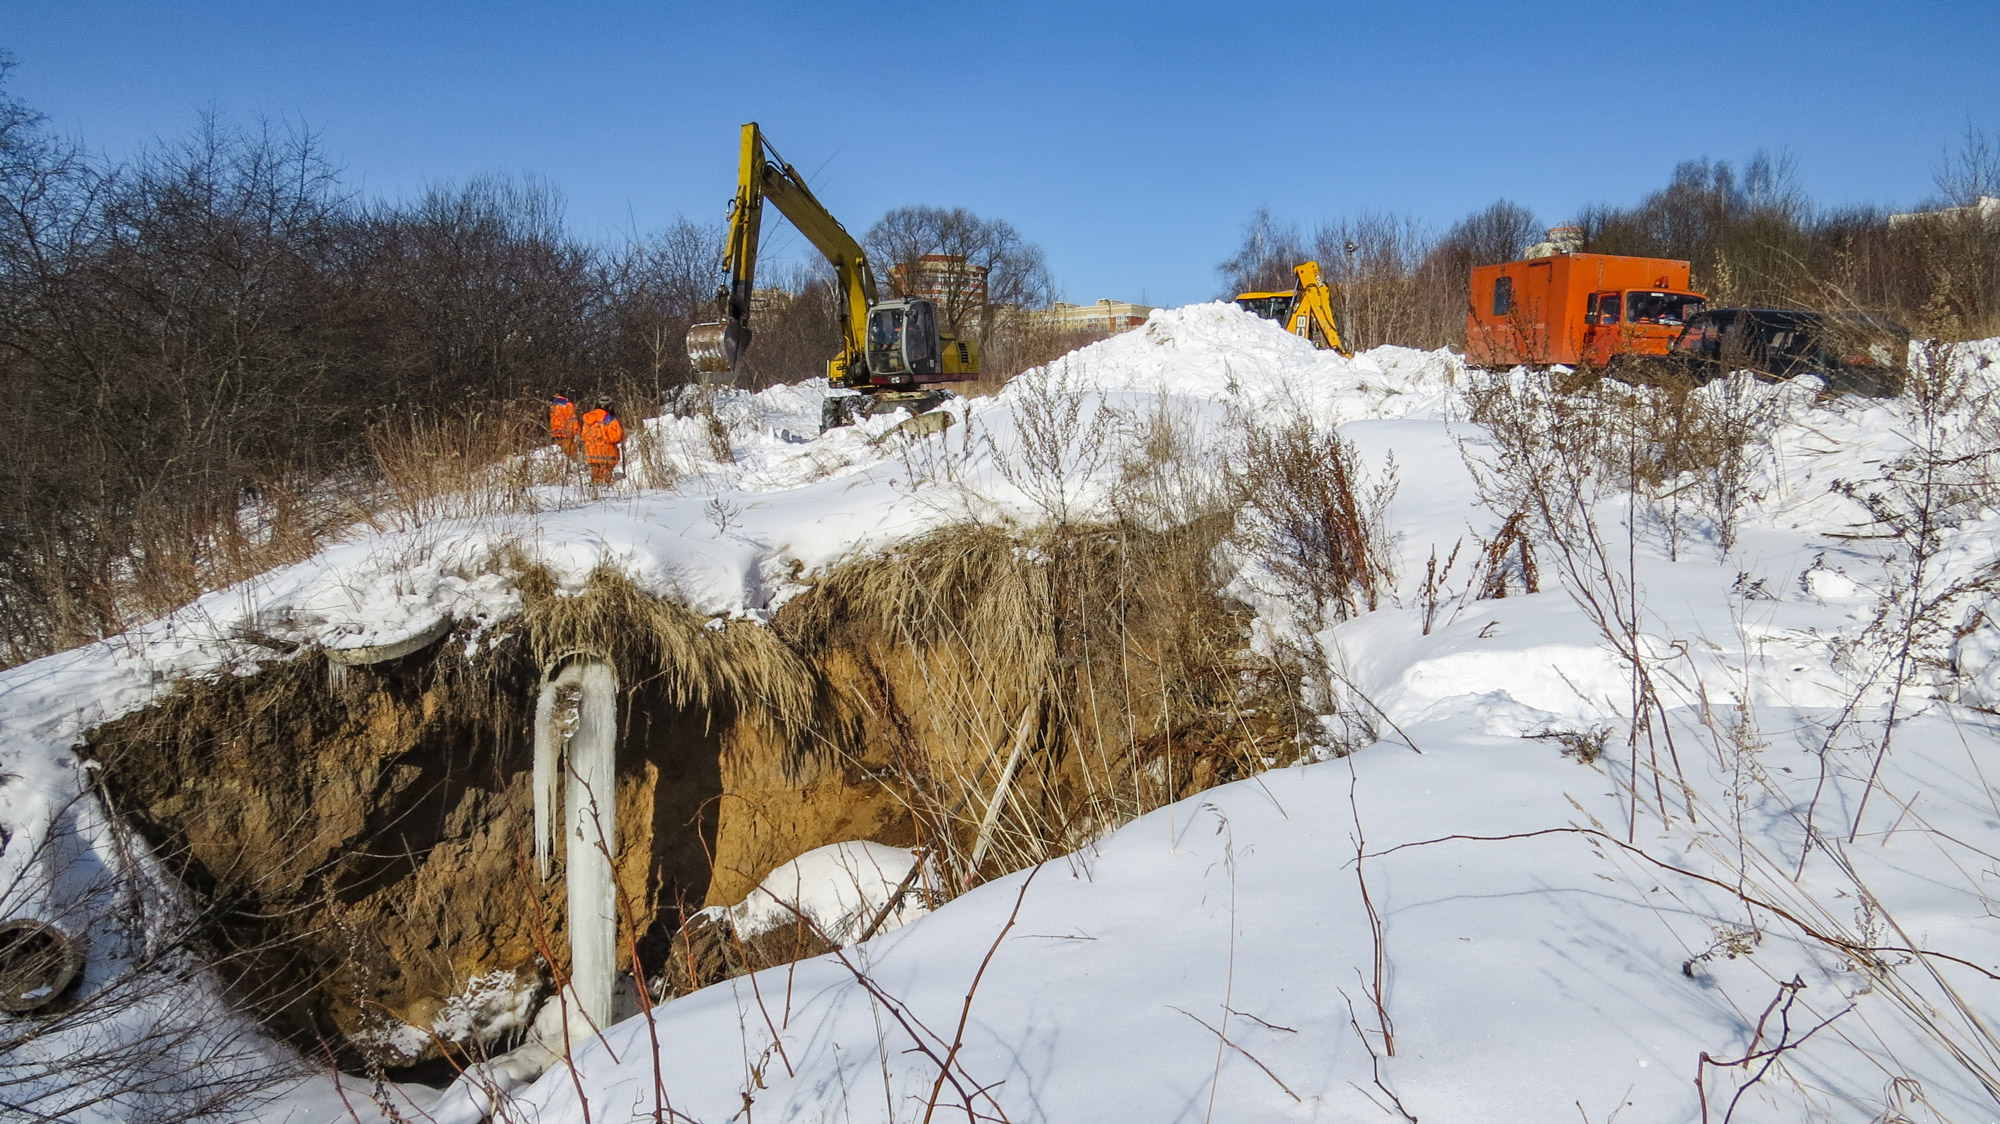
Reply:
x=1581 y=310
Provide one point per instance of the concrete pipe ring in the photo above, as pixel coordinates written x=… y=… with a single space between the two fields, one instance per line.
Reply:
x=395 y=649
x=38 y=962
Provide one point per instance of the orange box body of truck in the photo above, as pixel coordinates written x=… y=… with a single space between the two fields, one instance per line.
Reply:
x=1581 y=310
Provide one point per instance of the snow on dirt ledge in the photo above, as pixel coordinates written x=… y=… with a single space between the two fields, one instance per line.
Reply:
x=730 y=538
x=1688 y=921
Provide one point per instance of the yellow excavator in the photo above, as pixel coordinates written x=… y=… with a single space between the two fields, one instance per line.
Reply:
x=1305 y=311
x=889 y=348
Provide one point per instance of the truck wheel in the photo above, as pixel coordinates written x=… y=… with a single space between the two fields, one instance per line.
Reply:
x=832 y=414
x=844 y=410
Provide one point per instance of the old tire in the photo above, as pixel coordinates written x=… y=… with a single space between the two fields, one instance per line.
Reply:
x=38 y=963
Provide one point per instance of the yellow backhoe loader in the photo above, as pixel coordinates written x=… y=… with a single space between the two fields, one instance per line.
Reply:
x=1305 y=311
x=888 y=348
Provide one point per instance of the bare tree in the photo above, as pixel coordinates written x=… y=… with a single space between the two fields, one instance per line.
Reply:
x=1263 y=262
x=664 y=284
x=1376 y=263
x=1495 y=234
x=1974 y=170
x=1012 y=269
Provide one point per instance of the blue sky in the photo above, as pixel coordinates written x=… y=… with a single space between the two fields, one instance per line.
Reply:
x=1131 y=140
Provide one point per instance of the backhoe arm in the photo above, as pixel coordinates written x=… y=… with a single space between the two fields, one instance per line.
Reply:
x=1312 y=312
x=763 y=175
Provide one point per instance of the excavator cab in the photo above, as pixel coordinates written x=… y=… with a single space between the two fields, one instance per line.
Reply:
x=903 y=341
x=905 y=346
x=1269 y=306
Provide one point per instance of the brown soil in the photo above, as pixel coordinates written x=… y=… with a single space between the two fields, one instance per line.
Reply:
x=361 y=851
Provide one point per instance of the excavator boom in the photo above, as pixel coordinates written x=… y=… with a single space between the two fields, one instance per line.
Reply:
x=764 y=175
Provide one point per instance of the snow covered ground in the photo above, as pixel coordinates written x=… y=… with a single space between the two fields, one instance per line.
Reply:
x=1518 y=904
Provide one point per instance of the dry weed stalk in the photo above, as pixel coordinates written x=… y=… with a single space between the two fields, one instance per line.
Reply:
x=1510 y=550
x=1064 y=435
x=1946 y=479
x=1315 y=518
x=1564 y=452
x=430 y=468
x=1760 y=1054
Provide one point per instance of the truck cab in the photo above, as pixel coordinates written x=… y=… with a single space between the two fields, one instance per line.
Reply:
x=1852 y=353
x=1634 y=322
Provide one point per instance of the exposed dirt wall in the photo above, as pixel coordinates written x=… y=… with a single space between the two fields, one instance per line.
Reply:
x=363 y=847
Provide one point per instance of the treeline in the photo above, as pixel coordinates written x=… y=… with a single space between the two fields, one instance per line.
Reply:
x=210 y=355
x=202 y=350
x=1752 y=236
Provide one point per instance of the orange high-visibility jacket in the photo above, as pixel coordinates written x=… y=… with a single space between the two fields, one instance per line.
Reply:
x=602 y=434
x=562 y=419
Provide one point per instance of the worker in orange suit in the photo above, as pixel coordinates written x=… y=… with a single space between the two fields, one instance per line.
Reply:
x=562 y=424
x=602 y=434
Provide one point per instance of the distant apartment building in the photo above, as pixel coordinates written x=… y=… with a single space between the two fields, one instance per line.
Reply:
x=947 y=280
x=1986 y=210
x=769 y=300
x=1106 y=317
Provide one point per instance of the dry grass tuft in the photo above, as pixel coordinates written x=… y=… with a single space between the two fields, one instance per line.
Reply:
x=703 y=664
x=430 y=468
x=1043 y=685
x=1684 y=452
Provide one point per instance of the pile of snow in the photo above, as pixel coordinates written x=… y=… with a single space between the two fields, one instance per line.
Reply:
x=1517 y=905
x=839 y=889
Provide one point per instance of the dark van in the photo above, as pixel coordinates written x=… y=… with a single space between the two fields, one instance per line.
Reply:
x=1853 y=353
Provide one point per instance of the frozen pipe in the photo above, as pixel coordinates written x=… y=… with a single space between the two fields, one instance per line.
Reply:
x=579 y=744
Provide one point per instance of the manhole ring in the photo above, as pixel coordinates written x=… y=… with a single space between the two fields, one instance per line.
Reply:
x=38 y=962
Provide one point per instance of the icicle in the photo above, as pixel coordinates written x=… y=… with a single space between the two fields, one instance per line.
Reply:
x=548 y=751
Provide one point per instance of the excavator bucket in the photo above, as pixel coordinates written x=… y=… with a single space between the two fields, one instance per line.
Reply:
x=716 y=347
x=704 y=344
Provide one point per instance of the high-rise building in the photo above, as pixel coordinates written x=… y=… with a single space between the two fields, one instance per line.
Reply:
x=955 y=285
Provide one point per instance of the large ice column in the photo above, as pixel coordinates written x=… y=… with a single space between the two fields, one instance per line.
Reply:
x=592 y=827
x=576 y=733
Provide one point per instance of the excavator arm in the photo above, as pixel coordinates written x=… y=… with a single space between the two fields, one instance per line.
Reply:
x=762 y=175
x=1312 y=310
x=1306 y=311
